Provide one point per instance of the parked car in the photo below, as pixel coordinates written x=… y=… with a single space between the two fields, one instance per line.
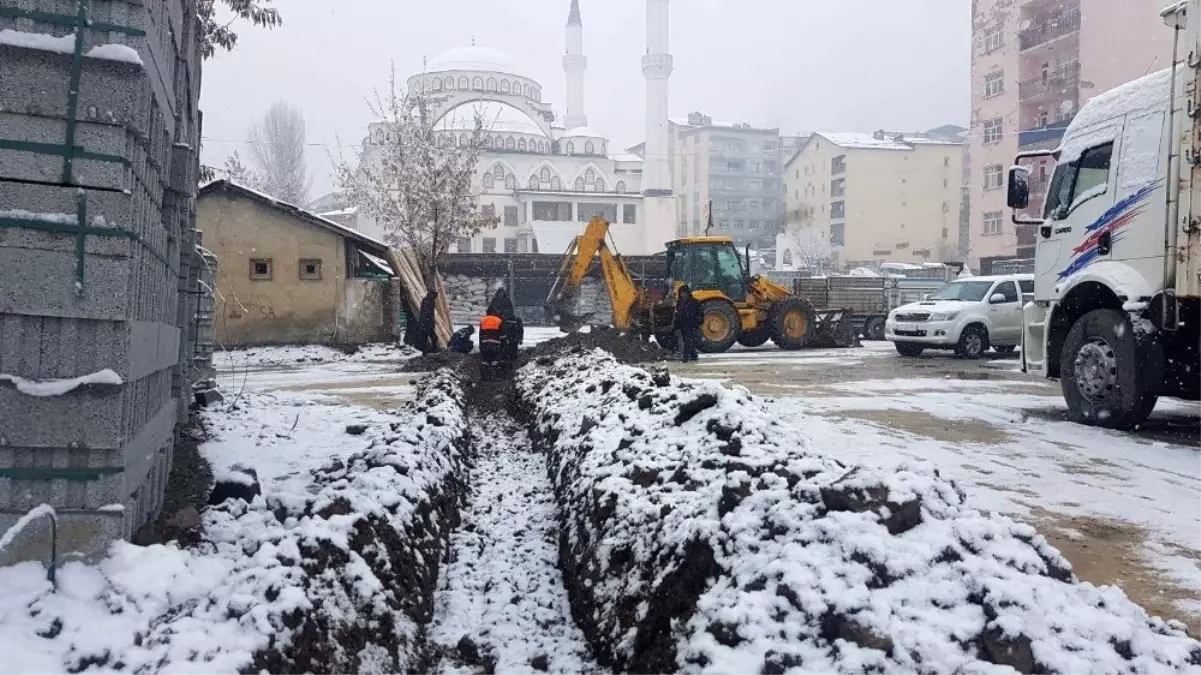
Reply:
x=967 y=315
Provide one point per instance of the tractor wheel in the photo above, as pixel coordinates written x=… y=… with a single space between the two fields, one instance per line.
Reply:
x=792 y=322
x=720 y=326
x=667 y=341
x=755 y=338
x=873 y=329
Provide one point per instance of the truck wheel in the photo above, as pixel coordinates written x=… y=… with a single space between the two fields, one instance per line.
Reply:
x=720 y=326
x=791 y=322
x=1102 y=375
x=667 y=341
x=973 y=342
x=755 y=338
x=909 y=349
x=873 y=329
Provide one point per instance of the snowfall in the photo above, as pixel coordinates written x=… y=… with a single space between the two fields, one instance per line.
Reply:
x=703 y=528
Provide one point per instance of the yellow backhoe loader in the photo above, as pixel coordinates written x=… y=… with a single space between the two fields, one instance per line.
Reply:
x=736 y=306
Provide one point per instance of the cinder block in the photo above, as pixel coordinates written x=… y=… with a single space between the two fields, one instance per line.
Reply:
x=46 y=348
x=43 y=283
x=82 y=535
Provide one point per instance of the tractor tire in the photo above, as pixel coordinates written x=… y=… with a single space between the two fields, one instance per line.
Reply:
x=792 y=323
x=873 y=328
x=755 y=338
x=973 y=342
x=668 y=341
x=1104 y=373
x=720 y=326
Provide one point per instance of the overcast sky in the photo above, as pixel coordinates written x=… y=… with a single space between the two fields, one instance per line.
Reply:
x=800 y=65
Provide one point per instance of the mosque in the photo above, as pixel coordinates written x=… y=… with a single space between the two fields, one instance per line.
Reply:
x=545 y=176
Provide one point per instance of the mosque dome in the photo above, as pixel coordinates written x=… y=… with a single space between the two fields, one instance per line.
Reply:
x=497 y=116
x=472 y=58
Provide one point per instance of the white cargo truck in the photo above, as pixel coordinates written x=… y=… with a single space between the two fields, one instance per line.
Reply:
x=1116 y=315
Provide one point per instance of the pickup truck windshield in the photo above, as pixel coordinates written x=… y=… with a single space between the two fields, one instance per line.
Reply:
x=967 y=291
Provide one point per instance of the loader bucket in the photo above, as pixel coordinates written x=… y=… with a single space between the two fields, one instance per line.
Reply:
x=834 y=328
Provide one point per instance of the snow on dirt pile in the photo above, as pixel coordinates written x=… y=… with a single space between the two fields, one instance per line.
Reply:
x=701 y=535
x=340 y=582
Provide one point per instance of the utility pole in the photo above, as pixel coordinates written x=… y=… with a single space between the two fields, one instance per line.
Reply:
x=708 y=216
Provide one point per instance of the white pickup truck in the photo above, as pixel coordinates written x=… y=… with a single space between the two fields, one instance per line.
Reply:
x=967 y=315
x=1116 y=315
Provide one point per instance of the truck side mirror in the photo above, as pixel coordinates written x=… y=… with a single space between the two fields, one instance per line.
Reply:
x=1019 y=187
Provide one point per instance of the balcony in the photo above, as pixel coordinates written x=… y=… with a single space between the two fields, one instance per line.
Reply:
x=1057 y=83
x=1053 y=29
x=1048 y=134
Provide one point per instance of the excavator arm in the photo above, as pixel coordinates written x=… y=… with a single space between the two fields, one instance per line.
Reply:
x=623 y=292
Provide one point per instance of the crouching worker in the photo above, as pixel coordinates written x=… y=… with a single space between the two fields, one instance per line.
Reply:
x=492 y=345
x=461 y=341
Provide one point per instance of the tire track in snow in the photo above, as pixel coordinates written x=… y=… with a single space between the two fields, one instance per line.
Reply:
x=501 y=596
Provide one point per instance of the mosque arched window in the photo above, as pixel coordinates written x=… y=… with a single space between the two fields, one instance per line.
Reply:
x=787 y=256
x=590 y=176
x=463 y=84
x=463 y=140
x=437 y=84
x=510 y=182
x=545 y=174
x=504 y=86
x=521 y=144
x=579 y=184
x=589 y=148
x=537 y=94
x=487 y=141
x=533 y=183
x=500 y=143
x=488 y=181
x=477 y=84
x=491 y=85
x=556 y=184
x=499 y=172
x=529 y=92
x=510 y=144
x=450 y=84
x=570 y=148
x=621 y=187
x=600 y=185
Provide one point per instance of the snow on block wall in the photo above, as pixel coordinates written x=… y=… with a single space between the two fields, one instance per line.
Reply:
x=699 y=534
x=338 y=581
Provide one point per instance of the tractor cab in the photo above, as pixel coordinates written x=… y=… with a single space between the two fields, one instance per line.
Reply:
x=710 y=266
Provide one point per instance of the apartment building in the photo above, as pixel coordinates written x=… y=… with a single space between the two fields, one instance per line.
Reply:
x=882 y=197
x=1034 y=63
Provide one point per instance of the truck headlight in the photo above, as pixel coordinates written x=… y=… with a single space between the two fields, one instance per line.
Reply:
x=944 y=316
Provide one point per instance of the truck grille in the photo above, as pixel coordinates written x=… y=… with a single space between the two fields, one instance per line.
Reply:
x=917 y=317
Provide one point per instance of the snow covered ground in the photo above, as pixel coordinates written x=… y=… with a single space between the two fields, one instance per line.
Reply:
x=296 y=354
x=501 y=597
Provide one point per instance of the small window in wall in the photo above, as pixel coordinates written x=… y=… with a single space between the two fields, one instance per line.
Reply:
x=838 y=234
x=260 y=269
x=310 y=269
x=489 y=244
x=510 y=217
x=629 y=214
x=510 y=244
x=464 y=245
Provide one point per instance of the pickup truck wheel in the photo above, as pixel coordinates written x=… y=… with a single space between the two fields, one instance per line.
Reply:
x=973 y=342
x=755 y=338
x=873 y=329
x=720 y=326
x=1102 y=374
x=909 y=349
x=791 y=322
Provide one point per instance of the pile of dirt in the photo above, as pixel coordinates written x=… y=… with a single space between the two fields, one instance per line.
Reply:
x=428 y=363
x=700 y=533
x=624 y=348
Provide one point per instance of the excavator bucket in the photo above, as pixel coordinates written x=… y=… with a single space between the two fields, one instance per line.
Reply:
x=835 y=328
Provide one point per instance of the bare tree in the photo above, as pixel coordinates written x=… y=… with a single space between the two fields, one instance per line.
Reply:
x=414 y=181
x=214 y=34
x=277 y=143
x=237 y=172
x=809 y=247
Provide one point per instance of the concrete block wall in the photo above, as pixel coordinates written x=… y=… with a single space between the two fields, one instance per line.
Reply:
x=100 y=453
x=469 y=296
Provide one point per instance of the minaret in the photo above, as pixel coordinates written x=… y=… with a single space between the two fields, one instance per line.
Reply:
x=659 y=204
x=574 y=65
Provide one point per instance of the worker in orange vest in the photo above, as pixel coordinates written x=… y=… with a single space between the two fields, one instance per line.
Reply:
x=492 y=338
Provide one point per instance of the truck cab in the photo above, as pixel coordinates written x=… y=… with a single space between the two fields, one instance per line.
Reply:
x=1115 y=309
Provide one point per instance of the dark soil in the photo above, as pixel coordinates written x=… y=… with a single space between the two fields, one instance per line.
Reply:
x=191 y=477
x=430 y=362
x=625 y=348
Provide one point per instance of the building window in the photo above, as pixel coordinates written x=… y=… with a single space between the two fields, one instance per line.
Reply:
x=510 y=182
x=946 y=207
x=838 y=187
x=992 y=222
x=552 y=211
x=489 y=244
x=570 y=147
x=260 y=269
x=629 y=214
x=579 y=184
x=754 y=205
x=993 y=177
x=310 y=269
x=521 y=144
x=994 y=84
x=510 y=217
x=450 y=84
x=464 y=245
x=600 y=185
x=994 y=39
x=463 y=84
x=437 y=84
x=994 y=130
x=621 y=187
x=838 y=210
x=510 y=244
x=477 y=83
x=489 y=181
x=589 y=148
x=945 y=182
x=838 y=164
x=556 y=184
x=533 y=183
x=488 y=210
x=491 y=85
x=510 y=144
